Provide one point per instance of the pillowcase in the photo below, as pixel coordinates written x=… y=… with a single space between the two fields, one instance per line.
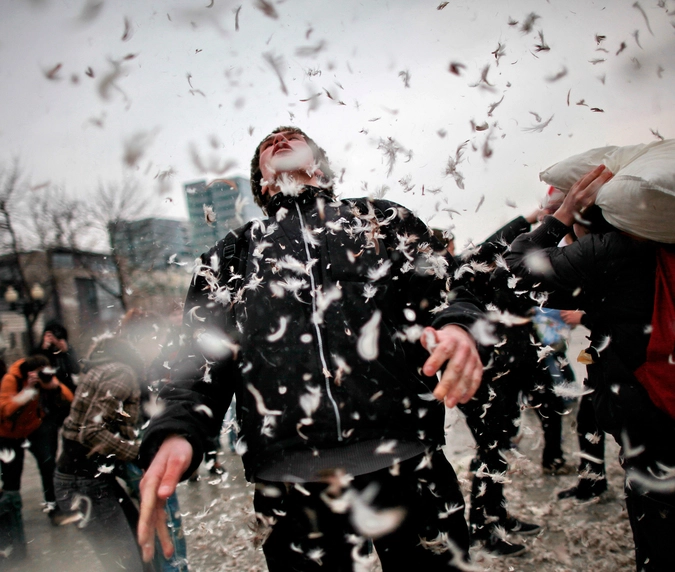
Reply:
x=640 y=198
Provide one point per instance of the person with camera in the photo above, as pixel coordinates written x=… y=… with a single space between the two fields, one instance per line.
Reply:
x=23 y=389
x=100 y=438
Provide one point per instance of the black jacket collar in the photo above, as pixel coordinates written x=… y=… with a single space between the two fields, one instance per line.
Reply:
x=307 y=197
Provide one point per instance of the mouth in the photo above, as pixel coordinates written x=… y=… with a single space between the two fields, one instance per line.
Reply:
x=280 y=148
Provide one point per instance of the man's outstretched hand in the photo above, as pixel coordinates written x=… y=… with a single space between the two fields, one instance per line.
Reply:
x=158 y=484
x=461 y=377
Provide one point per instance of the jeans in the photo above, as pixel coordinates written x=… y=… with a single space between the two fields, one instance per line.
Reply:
x=109 y=518
x=178 y=562
x=301 y=532
x=41 y=445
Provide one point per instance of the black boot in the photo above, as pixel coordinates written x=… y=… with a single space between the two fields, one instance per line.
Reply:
x=585 y=489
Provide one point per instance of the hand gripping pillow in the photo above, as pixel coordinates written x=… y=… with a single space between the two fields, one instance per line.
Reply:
x=640 y=198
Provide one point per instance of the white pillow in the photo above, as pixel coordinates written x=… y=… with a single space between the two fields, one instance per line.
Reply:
x=640 y=198
x=565 y=173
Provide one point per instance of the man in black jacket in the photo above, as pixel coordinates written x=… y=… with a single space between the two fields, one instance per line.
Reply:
x=611 y=276
x=493 y=414
x=321 y=320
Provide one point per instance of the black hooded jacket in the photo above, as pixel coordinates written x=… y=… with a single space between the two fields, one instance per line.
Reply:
x=312 y=317
x=611 y=276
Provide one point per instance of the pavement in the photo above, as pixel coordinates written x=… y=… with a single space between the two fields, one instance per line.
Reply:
x=217 y=514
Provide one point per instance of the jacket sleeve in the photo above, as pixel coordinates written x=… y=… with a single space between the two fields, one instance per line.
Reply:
x=72 y=360
x=556 y=276
x=64 y=393
x=9 y=405
x=194 y=402
x=509 y=232
x=428 y=284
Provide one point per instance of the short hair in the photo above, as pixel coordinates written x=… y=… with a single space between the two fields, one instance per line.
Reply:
x=56 y=328
x=31 y=363
x=594 y=221
x=320 y=158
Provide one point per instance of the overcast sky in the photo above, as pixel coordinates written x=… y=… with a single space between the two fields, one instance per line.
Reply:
x=178 y=85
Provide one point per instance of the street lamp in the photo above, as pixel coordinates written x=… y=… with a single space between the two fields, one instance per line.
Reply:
x=37 y=293
x=11 y=295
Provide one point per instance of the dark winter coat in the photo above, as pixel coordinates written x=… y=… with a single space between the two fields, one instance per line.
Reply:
x=66 y=364
x=303 y=369
x=479 y=272
x=611 y=277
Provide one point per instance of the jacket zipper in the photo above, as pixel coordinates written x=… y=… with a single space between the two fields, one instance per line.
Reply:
x=319 y=338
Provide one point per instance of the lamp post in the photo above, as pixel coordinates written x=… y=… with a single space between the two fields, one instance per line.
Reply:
x=30 y=307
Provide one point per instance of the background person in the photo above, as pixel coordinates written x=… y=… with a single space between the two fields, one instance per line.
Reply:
x=612 y=276
x=22 y=390
x=99 y=437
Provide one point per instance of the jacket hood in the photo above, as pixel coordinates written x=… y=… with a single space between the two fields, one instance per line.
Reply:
x=15 y=369
x=113 y=349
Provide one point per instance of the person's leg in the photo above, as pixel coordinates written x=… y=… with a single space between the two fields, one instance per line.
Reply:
x=433 y=534
x=104 y=521
x=41 y=446
x=11 y=463
x=211 y=456
x=653 y=526
x=12 y=535
x=298 y=531
x=177 y=562
x=591 y=439
x=488 y=513
x=549 y=408
x=592 y=481
x=488 y=505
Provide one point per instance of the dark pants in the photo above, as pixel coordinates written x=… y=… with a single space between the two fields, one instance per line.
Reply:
x=653 y=525
x=538 y=388
x=109 y=518
x=42 y=447
x=306 y=534
x=623 y=408
x=490 y=415
x=587 y=432
x=12 y=536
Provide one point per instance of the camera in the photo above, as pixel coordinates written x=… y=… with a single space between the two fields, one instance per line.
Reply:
x=46 y=374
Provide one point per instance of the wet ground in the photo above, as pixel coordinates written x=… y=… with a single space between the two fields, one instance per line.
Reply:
x=577 y=537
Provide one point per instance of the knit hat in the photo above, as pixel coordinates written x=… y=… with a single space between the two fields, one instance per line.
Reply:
x=319 y=156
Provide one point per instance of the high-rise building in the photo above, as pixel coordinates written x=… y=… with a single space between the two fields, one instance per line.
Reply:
x=151 y=243
x=228 y=203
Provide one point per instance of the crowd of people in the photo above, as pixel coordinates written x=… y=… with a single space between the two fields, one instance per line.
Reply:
x=344 y=329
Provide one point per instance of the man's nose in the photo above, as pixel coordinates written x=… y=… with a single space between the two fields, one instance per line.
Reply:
x=279 y=137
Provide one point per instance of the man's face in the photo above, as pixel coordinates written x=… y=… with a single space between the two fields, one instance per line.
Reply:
x=283 y=152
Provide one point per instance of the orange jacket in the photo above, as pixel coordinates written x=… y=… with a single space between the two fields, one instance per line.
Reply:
x=18 y=420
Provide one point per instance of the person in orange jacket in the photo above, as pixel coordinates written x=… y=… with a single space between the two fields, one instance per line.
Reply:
x=22 y=391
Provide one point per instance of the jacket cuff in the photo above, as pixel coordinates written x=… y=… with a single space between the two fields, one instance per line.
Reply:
x=550 y=232
x=153 y=441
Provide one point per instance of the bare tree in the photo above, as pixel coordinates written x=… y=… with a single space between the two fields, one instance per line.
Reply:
x=56 y=219
x=12 y=191
x=112 y=206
